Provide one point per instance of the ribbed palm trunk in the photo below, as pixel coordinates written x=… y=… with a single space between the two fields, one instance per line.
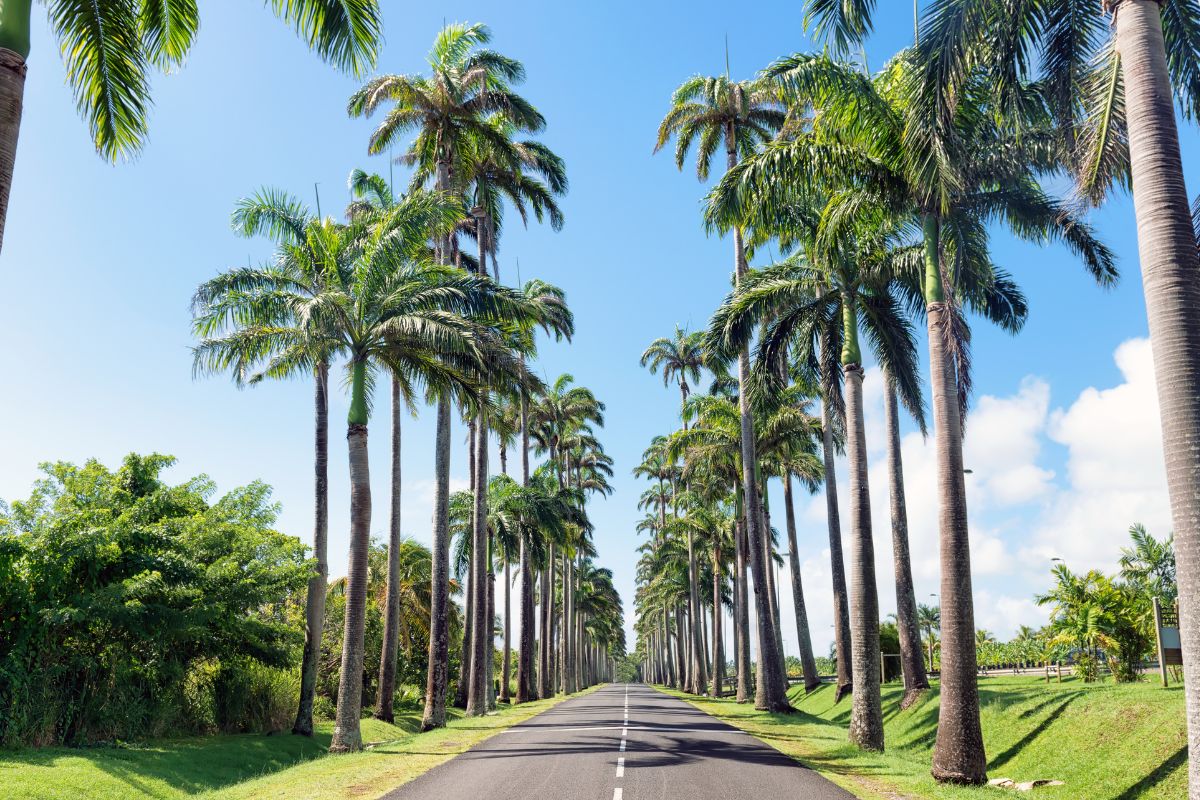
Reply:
x=548 y=687
x=698 y=673
x=481 y=622
x=912 y=664
x=314 y=602
x=12 y=101
x=841 y=605
x=718 y=656
x=526 y=673
x=773 y=593
x=1166 y=245
x=803 y=638
x=438 y=670
x=767 y=695
x=489 y=661
x=742 y=612
x=437 y=675
x=464 y=667
x=479 y=687
x=866 y=712
x=568 y=623
x=391 y=615
x=506 y=661
x=958 y=754
x=347 y=737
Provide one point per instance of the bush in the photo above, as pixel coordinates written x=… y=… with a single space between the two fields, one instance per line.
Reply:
x=135 y=608
x=1087 y=667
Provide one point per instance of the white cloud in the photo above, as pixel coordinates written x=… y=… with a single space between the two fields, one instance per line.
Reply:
x=1022 y=511
x=1115 y=467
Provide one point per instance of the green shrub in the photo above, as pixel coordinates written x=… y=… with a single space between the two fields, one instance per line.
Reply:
x=1087 y=667
x=134 y=608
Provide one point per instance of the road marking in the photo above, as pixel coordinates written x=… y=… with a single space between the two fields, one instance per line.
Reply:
x=622 y=744
x=620 y=767
x=617 y=793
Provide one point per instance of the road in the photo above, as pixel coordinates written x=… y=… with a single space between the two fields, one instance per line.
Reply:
x=621 y=742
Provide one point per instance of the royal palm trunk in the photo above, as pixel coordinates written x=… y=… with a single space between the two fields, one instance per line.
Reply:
x=438 y=669
x=347 y=736
x=1166 y=245
x=718 y=662
x=699 y=679
x=391 y=616
x=439 y=596
x=507 y=660
x=841 y=605
x=14 y=49
x=912 y=663
x=866 y=711
x=526 y=687
x=958 y=754
x=742 y=612
x=803 y=638
x=481 y=639
x=314 y=602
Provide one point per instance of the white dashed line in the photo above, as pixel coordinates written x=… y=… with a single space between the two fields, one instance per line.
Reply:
x=617 y=793
x=620 y=767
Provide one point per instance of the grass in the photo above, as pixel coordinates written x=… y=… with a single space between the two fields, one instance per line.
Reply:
x=1106 y=742
x=250 y=766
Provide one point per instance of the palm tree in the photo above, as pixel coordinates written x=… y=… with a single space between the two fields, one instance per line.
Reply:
x=373 y=197
x=1150 y=564
x=560 y=412
x=110 y=49
x=742 y=115
x=930 y=620
x=466 y=102
x=803 y=298
x=871 y=146
x=388 y=308
x=681 y=357
x=298 y=274
x=1122 y=62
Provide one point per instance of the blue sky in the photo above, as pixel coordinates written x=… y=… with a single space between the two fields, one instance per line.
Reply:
x=100 y=262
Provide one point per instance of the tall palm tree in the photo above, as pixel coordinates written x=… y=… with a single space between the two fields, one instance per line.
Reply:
x=800 y=299
x=682 y=357
x=930 y=620
x=110 y=49
x=742 y=115
x=1111 y=73
x=560 y=412
x=389 y=308
x=873 y=148
x=679 y=357
x=299 y=271
x=373 y=197
x=466 y=101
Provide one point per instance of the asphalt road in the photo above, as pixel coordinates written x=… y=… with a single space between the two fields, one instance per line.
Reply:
x=622 y=742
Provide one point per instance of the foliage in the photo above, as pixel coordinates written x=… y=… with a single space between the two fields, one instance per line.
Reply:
x=135 y=607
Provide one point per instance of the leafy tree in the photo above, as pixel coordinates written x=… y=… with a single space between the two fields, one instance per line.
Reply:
x=119 y=589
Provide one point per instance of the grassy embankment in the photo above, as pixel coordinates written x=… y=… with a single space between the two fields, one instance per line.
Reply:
x=1106 y=742
x=250 y=766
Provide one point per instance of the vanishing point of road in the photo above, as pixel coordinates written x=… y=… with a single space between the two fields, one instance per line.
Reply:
x=621 y=742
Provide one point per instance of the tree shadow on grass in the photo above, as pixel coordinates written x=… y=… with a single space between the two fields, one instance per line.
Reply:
x=1015 y=749
x=1157 y=776
x=192 y=765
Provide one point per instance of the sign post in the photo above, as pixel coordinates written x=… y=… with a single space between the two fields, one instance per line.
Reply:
x=1166 y=627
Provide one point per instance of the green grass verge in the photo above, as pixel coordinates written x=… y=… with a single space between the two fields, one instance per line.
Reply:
x=1106 y=742
x=250 y=766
